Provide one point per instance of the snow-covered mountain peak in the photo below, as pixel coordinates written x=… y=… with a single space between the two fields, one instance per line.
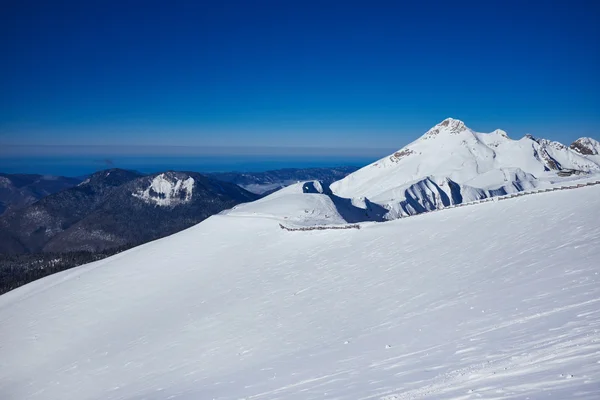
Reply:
x=5 y=182
x=452 y=124
x=449 y=126
x=545 y=142
x=493 y=139
x=500 y=132
x=167 y=189
x=110 y=178
x=475 y=165
x=586 y=146
x=551 y=143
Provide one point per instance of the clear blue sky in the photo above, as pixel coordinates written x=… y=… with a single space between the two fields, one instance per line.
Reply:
x=355 y=74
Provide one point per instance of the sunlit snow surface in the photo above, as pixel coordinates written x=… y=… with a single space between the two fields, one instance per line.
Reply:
x=497 y=300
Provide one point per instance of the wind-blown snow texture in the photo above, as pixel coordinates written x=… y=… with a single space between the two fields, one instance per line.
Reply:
x=497 y=300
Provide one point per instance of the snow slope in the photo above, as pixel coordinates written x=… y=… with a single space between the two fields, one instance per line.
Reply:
x=310 y=203
x=497 y=300
x=474 y=165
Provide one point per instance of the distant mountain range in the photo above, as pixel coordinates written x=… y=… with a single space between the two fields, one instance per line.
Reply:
x=115 y=208
x=55 y=223
x=20 y=190
x=449 y=164
x=120 y=208
x=270 y=181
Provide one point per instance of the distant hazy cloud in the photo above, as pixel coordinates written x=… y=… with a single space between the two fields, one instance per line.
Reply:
x=107 y=162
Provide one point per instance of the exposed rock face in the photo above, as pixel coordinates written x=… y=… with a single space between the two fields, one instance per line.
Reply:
x=168 y=190
x=586 y=146
x=449 y=126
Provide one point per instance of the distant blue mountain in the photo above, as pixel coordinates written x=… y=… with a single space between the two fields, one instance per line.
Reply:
x=20 y=190
x=269 y=181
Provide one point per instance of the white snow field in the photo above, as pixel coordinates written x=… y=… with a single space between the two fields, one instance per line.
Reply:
x=493 y=301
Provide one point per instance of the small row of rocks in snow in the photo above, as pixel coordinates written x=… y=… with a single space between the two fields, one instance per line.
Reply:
x=320 y=227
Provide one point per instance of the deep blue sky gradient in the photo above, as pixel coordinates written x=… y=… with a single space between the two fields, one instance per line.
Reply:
x=355 y=74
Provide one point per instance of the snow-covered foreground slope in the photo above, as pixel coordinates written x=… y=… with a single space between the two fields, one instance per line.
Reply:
x=498 y=300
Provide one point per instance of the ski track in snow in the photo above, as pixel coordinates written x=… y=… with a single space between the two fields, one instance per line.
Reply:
x=495 y=301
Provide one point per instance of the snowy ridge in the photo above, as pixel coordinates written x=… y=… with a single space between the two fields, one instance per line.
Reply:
x=481 y=200
x=235 y=307
x=312 y=204
x=308 y=204
x=435 y=193
x=167 y=190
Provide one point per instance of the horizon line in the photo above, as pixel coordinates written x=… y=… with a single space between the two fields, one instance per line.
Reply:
x=40 y=150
